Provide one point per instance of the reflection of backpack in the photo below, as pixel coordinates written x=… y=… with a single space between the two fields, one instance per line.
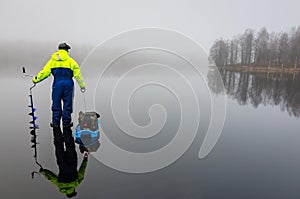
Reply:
x=88 y=121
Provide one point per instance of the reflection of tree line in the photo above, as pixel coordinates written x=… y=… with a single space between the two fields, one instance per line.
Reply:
x=260 y=88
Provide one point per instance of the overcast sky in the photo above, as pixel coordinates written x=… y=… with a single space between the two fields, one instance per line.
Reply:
x=92 y=22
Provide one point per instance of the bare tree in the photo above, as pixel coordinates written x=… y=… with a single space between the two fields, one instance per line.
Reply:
x=233 y=51
x=261 y=47
x=273 y=48
x=246 y=44
x=219 y=53
x=295 y=47
x=283 y=49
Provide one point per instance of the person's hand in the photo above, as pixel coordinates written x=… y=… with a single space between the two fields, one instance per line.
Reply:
x=86 y=154
x=82 y=90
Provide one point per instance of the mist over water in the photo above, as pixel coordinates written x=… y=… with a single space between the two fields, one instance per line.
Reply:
x=257 y=155
x=33 y=55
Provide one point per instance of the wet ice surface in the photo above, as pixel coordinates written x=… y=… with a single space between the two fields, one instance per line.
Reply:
x=257 y=155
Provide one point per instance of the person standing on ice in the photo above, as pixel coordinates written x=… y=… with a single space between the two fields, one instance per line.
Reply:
x=63 y=68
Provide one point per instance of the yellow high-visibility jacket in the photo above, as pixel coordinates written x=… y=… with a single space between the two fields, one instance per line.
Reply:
x=66 y=187
x=60 y=59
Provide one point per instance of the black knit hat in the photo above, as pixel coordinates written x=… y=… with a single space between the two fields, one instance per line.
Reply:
x=64 y=46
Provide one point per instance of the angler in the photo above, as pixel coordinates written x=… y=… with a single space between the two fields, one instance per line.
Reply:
x=63 y=68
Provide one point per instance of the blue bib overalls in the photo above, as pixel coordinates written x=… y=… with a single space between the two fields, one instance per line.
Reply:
x=62 y=92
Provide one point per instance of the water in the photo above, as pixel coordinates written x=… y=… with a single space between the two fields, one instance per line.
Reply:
x=257 y=155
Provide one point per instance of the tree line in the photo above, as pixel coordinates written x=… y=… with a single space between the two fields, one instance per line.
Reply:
x=260 y=48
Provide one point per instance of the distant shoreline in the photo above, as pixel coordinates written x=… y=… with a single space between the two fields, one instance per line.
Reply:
x=260 y=69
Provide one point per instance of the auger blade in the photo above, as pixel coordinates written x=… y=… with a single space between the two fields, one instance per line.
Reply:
x=33 y=120
x=32 y=132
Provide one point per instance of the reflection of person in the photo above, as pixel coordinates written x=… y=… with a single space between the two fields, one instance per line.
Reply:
x=63 y=68
x=68 y=177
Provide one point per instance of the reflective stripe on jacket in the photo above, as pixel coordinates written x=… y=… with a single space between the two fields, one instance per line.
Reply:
x=60 y=60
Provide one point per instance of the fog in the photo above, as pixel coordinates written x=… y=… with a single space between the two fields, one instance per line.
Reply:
x=257 y=155
x=92 y=22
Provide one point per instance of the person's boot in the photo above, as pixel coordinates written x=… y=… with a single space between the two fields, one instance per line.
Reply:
x=53 y=125
x=68 y=137
x=68 y=125
x=57 y=135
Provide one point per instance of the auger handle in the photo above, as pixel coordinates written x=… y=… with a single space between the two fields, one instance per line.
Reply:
x=24 y=72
